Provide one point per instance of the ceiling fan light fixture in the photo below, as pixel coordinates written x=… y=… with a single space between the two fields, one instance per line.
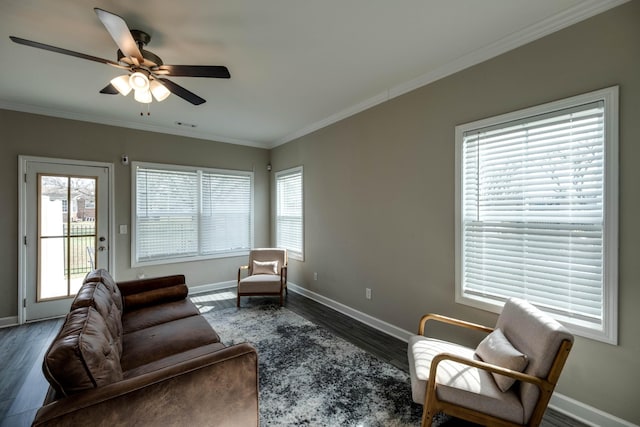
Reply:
x=139 y=81
x=159 y=91
x=121 y=83
x=143 y=96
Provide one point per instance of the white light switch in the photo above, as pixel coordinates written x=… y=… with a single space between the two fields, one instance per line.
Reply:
x=123 y=229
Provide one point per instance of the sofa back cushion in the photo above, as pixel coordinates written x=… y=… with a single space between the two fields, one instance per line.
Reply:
x=106 y=303
x=83 y=355
x=155 y=297
x=103 y=276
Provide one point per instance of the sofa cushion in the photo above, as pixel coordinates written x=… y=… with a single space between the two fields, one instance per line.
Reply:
x=129 y=287
x=155 y=296
x=83 y=355
x=160 y=341
x=173 y=360
x=151 y=316
x=497 y=350
x=98 y=296
x=103 y=276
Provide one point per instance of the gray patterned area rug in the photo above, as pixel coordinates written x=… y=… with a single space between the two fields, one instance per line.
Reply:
x=310 y=377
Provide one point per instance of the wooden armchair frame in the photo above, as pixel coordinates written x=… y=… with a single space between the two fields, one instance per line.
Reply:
x=433 y=405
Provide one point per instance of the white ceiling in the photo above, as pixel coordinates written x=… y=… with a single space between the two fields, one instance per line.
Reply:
x=296 y=65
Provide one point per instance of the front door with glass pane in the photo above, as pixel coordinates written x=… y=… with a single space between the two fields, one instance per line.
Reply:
x=67 y=233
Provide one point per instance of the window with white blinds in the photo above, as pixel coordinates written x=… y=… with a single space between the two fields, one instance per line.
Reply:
x=289 y=212
x=183 y=214
x=537 y=206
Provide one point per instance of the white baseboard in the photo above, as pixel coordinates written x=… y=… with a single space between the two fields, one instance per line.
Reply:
x=378 y=324
x=584 y=413
x=563 y=404
x=198 y=289
x=8 y=321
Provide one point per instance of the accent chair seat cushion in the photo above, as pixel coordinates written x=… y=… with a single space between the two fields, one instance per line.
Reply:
x=464 y=385
x=260 y=283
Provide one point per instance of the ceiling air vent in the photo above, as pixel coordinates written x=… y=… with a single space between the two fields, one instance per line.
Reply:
x=187 y=125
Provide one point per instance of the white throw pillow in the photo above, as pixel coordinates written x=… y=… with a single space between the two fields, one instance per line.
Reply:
x=265 y=267
x=497 y=350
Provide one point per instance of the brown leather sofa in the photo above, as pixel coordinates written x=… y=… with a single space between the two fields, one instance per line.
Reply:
x=140 y=353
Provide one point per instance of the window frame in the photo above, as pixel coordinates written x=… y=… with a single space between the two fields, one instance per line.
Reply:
x=182 y=168
x=291 y=253
x=609 y=96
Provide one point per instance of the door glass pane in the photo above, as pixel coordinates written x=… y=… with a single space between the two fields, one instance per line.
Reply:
x=52 y=268
x=67 y=234
x=54 y=205
x=82 y=236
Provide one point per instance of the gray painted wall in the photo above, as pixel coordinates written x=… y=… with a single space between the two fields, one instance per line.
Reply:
x=33 y=135
x=379 y=192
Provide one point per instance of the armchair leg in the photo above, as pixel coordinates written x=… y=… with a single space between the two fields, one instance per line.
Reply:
x=427 y=417
x=238 y=301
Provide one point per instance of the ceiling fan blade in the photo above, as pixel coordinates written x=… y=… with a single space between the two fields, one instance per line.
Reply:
x=216 y=71
x=119 y=31
x=64 y=51
x=182 y=92
x=109 y=90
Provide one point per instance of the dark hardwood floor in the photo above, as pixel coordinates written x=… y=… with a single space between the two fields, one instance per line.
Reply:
x=23 y=387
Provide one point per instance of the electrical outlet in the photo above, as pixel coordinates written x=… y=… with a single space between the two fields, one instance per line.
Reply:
x=315 y=275
x=367 y=293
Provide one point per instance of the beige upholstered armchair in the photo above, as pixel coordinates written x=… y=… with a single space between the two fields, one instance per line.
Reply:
x=267 y=274
x=506 y=381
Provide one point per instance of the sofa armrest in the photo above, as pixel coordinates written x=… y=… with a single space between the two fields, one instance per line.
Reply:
x=130 y=287
x=218 y=388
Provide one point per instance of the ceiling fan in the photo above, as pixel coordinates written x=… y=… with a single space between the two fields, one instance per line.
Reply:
x=146 y=70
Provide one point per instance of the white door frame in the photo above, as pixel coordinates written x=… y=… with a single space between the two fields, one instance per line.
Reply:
x=22 y=222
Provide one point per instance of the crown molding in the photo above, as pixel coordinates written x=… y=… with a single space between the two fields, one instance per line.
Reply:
x=571 y=16
x=189 y=133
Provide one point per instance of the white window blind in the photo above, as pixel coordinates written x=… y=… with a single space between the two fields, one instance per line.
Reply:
x=289 y=212
x=533 y=213
x=185 y=213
